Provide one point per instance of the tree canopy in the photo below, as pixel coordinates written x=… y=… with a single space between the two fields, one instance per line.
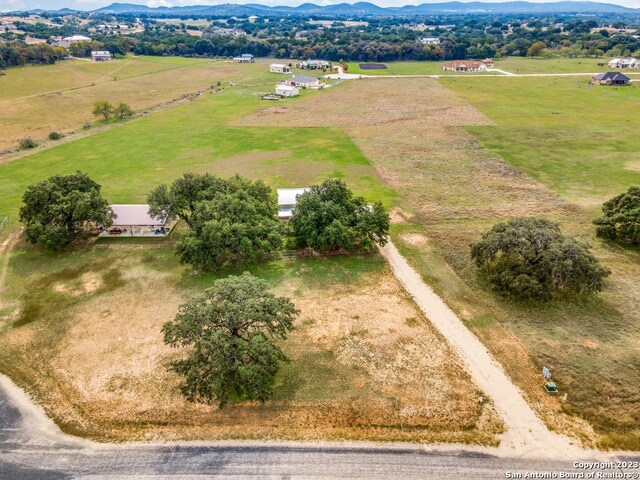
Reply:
x=530 y=259
x=181 y=198
x=58 y=209
x=232 y=334
x=329 y=217
x=621 y=218
x=232 y=221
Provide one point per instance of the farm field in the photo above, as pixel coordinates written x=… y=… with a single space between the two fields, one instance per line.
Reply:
x=195 y=137
x=364 y=363
x=451 y=189
x=35 y=101
x=579 y=140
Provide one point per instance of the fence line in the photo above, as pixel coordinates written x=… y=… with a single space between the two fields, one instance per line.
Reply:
x=3 y=223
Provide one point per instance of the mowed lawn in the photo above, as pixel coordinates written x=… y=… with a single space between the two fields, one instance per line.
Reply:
x=553 y=65
x=582 y=141
x=129 y=160
x=406 y=68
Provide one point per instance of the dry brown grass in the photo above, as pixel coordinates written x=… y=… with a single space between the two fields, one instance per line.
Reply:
x=412 y=131
x=364 y=365
x=63 y=111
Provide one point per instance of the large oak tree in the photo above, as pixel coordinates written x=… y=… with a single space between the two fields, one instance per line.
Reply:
x=57 y=210
x=231 y=334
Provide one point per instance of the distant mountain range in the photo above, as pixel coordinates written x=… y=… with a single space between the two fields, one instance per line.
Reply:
x=369 y=9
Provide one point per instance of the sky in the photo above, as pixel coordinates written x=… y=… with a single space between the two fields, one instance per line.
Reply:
x=8 y=5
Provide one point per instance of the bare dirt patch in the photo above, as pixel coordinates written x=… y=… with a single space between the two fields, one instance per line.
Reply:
x=365 y=365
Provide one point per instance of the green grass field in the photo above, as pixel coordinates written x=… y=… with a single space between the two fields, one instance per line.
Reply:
x=582 y=141
x=407 y=68
x=129 y=160
x=518 y=65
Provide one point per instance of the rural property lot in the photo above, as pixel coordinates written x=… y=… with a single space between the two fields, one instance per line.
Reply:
x=35 y=101
x=364 y=363
x=452 y=190
x=82 y=332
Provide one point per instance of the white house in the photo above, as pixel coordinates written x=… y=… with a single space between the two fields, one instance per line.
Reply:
x=430 y=41
x=287 y=200
x=77 y=38
x=624 y=63
x=101 y=55
x=303 y=81
x=279 y=68
x=244 y=58
x=135 y=221
x=287 y=91
x=314 y=64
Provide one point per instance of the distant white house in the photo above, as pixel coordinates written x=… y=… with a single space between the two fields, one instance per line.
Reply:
x=287 y=91
x=429 y=40
x=101 y=55
x=135 y=221
x=287 y=200
x=624 y=63
x=279 y=68
x=313 y=64
x=244 y=58
x=77 y=38
x=303 y=81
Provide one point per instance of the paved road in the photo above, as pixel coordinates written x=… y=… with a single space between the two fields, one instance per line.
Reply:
x=31 y=447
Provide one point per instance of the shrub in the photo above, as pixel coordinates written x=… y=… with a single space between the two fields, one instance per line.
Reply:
x=621 y=219
x=530 y=259
x=27 y=143
x=55 y=136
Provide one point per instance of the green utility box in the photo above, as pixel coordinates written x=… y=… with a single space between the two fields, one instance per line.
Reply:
x=551 y=387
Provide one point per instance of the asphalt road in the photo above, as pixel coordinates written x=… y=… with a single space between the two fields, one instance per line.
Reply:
x=29 y=450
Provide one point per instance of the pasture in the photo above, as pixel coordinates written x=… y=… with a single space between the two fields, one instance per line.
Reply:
x=451 y=189
x=37 y=100
x=577 y=139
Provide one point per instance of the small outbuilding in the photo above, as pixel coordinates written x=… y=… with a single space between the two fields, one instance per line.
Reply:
x=610 y=78
x=279 y=68
x=287 y=200
x=135 y=221
x=244 y=58
x=101 y=56
x=303 y=81
x=287 y=91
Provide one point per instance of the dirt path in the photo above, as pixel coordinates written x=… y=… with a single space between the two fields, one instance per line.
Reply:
x=526 y=434
x=5 y=254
